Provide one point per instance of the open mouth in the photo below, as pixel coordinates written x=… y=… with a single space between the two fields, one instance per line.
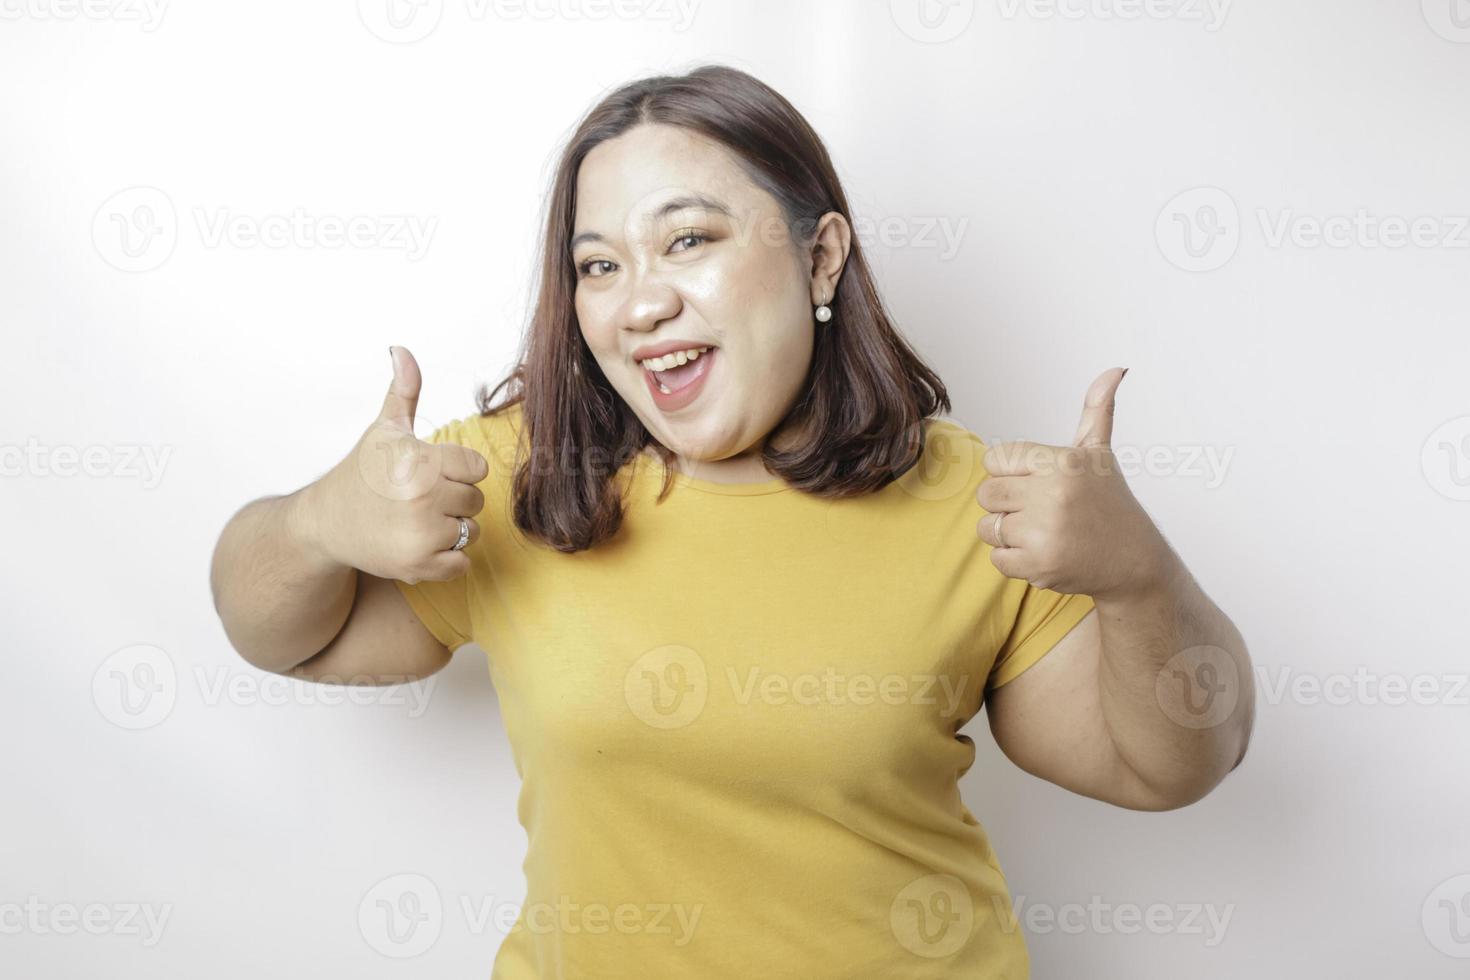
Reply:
x=672 y=376
x=673 y=384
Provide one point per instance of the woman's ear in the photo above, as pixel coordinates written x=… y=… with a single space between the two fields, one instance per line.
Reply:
x=831 y=242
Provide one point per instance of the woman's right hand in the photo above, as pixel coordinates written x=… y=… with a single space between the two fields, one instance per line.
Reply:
x=390 y=508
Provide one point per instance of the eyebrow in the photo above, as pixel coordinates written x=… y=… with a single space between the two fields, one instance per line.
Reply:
x=681 y=203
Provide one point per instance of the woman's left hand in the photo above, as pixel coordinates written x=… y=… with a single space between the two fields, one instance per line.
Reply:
x=1071 y=524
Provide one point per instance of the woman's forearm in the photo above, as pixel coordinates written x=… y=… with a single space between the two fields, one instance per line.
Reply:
x=280 y=597
x=1177 y=687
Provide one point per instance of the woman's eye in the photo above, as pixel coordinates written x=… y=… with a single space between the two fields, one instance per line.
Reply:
x=689 y=236
x=585 y=268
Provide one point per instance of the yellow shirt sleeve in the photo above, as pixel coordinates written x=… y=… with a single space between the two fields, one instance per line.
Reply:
x=443 y=607
x=1042 y=618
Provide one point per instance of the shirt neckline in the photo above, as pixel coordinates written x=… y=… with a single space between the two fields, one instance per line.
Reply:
x=657 y=469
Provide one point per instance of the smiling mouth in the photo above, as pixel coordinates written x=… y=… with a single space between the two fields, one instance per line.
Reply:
x=673 y=376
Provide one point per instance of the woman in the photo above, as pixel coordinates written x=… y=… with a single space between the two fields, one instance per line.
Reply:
x=722 y=556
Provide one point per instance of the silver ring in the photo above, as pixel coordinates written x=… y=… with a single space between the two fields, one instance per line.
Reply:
x=1000 y=516
x=464 y=535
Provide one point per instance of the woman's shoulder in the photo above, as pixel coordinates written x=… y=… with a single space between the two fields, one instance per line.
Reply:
x=951 y=462
x=946 y=434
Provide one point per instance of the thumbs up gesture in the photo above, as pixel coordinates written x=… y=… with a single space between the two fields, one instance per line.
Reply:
x=1063 y=517
x=392 y=507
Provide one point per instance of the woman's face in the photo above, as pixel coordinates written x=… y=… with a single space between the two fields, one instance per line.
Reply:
x=676 y=250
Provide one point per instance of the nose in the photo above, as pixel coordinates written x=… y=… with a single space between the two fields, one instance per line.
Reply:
x=650 y=302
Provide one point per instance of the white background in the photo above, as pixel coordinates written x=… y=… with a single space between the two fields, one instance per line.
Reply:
x=1332 y=378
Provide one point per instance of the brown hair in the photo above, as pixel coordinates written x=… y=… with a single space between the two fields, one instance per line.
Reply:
x=857 y=425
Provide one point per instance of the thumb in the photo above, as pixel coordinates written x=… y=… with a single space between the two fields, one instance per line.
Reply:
x=402 y=400
x=1096 y=427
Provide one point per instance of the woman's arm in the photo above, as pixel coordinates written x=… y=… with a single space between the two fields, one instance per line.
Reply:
x=303 y=584
x=1147 y=703
x=280 y=599
x=1176 y=686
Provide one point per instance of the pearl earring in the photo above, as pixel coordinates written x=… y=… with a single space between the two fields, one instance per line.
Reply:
x=824 y=313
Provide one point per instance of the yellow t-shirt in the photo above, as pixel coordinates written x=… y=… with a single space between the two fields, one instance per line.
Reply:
x=736 y=723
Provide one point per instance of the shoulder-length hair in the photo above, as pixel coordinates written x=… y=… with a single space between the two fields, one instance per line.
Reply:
x=857 y=425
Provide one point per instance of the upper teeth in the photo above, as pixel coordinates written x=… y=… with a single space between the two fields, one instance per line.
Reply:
x=673 y=360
